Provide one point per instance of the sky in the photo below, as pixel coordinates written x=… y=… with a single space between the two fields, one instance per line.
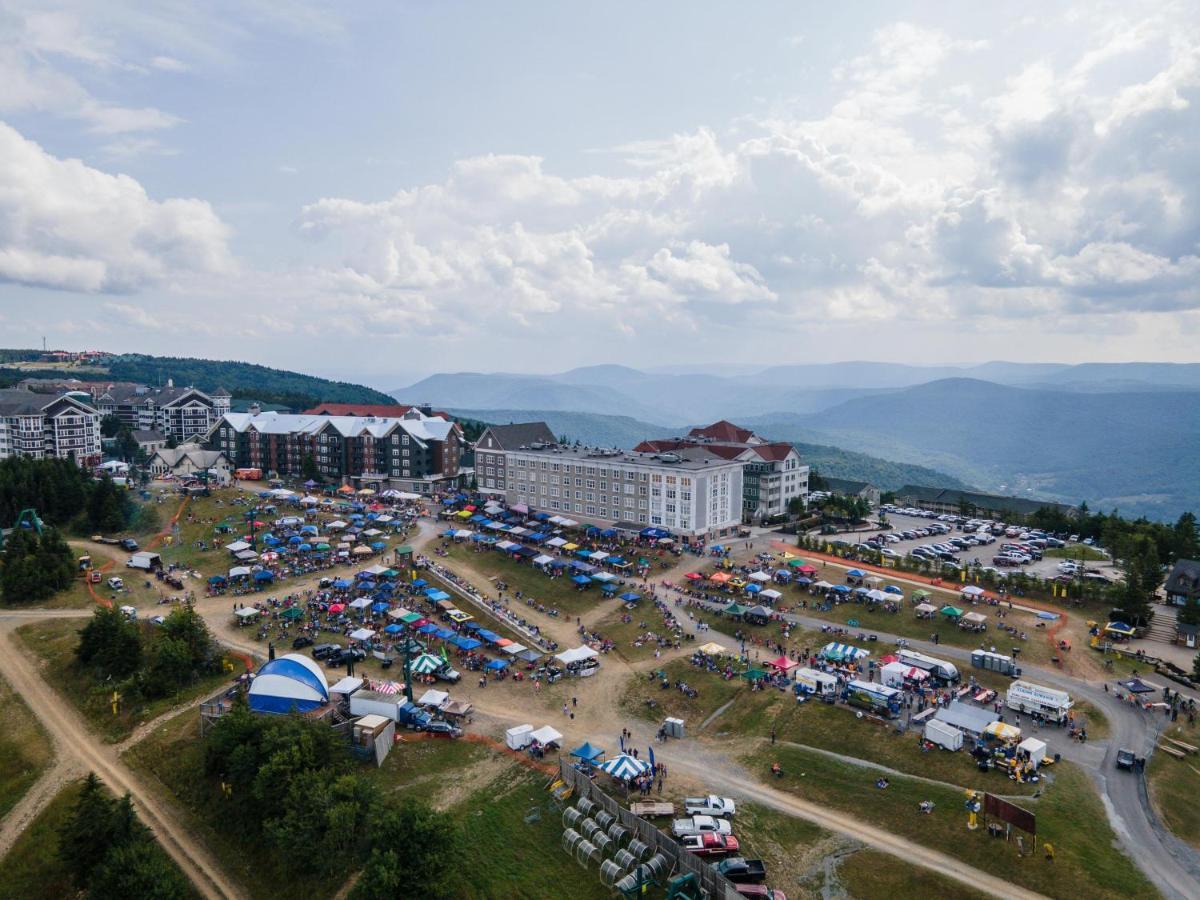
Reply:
x=382 y=190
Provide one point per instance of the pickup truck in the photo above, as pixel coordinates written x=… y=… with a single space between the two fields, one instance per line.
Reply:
x=740 y=870
x=712 y=805
x=710 y=844
x=448 y=673
x=1125 y=759
x=700 y=825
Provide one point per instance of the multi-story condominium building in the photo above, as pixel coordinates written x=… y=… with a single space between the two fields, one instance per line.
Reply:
x=951 y=501
x=773 y=476
x=691 y=493
x=496 y=440
x=413 y=452
x=42 y=426
x=183 y=413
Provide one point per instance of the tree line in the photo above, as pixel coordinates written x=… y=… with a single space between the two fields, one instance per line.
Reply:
x=291 y=789
x=110 y=855
x=141 y=660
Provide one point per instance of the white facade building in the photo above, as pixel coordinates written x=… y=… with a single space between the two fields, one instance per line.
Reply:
x=692 y=493
x=43 y=426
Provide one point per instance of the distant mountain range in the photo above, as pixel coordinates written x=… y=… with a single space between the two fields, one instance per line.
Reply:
x=1114 y=434
x=600 y=430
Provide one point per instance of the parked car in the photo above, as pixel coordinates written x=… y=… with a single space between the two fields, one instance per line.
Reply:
x=710 y=844
x=322 y=651
x=448 y=673
x=301 y=642
x=712 y=805
x=443 y=729
x=116 y=583
x=1126 y=760
x=700 y=825
x=129 y=544
x=740 y=870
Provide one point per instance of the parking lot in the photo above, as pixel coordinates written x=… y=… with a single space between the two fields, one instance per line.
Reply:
x=1044 y=568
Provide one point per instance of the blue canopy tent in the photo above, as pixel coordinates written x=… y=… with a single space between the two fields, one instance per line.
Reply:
x=616 y=560
x=444 y=634
x=467 y=643
x=420 y=583
x=581 y=580
x=378 y=545
x=380 y=607
x=341 y=584
x=489 y=636
x=753 y=588
x=541 y=517
x=856 y=573
x=436 y=595
x=393 y=629
x=308 y=529
x=630 y=597
x=386 y=588
x=608 y=533
x=305 y=548
x=587 y=752
x=427 y=628
x=295 y=539
x=862 y=590
x=609 y=588
x=584 y=554
x=892 y=589
x=496 y=665
x=217 y=579
x=802 y=581
x=263 y=575
x=841 y=589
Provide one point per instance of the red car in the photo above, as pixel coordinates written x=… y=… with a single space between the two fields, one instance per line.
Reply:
x=710 y=844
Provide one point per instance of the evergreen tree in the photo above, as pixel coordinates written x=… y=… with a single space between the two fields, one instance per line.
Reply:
x=84 y=837
x=110 y=643
x=108 y=508
x=137 y=869
x=308 y=468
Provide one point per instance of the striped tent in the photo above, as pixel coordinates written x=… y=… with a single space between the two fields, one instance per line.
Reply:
x=426 y=664
x=843 y=652
x=624 y=767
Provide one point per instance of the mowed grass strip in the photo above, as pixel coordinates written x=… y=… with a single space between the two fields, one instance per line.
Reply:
x=54 y=641
x=1069 y=815
x=25 y=749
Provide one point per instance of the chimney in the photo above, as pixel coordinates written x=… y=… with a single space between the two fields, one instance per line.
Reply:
x=426 y=408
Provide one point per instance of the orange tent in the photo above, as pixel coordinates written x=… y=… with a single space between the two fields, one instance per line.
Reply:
x=345 y=489
x=720 y=577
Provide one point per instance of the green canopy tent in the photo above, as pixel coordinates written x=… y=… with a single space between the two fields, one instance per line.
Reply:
x=795 y=563
x=426 y=664
x=411 y=617
x=292 y=613
x=919 y=595
x=754 y=674
x=952 y=612
x=734 y=610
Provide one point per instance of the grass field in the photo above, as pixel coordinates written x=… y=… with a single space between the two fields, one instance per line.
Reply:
x=32 y=870
x=25 y=749
x=1070 y=816
x=868 y=874
x=54 y=642
x=558 y=593
x=1077 y=551
x=1174 y=784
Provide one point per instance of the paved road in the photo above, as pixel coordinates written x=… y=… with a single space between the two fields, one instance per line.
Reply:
x=1171 y=865
x=75 y=743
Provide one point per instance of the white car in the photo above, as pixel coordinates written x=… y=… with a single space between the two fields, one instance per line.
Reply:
x=712 y=805
x=700 y=825
x=116 y=583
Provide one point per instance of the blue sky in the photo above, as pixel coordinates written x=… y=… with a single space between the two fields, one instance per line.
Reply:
x=381 y=190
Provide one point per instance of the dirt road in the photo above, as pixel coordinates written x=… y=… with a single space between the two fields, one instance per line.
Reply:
x=77 y=746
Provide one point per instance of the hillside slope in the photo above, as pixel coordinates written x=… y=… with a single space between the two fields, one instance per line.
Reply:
x=1132 y=450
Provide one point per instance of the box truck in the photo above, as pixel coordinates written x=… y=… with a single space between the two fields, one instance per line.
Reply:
x=1027 y=697
x=811 y=681
x=994 y=662
x=938 y=668
x=877 y=698
x=945 y=736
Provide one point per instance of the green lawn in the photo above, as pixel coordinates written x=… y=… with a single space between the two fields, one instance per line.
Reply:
x=1174 y=784
x=54 y=641
x=714 y=693
x=1070 y=816
x=558 y=593
x=645 y=618
x=1077 y=551
x=25 y=749
x=32 y=869
x=868 y=874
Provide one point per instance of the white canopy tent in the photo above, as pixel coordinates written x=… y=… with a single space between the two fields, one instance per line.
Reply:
x=577 y=654
x=547 y=735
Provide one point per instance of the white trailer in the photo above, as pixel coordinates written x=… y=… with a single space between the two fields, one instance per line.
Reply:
x=945 y=736
x=519 y=737
x=366 y=703
x=811 y=681
x=938 y=668
x=1027 y=697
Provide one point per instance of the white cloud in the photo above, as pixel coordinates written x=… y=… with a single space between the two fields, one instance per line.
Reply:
x=65 y=225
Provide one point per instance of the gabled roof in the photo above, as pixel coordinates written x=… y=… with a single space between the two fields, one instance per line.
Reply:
x=20 y=402
x=145 y=436
x=381 y=410
x=723 y=431
x=844 y=486
x=516 y=435
x=1184 y=577
x=774 y=452
x=1020 y=505
x=420 y=427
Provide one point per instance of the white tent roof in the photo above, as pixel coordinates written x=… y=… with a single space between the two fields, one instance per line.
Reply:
x=433 y=698
x=237 y=546
x=543 y=560
x=362 y=634
x=972 y=590
x=246 y=612
x=546 y=735
x=576 y=655
x=360 y=603
x=759 y=576
x=239 y=571
x=770 y=594
x=336 y=525
x=599 y=556
x=556 y=542
x=514 y=649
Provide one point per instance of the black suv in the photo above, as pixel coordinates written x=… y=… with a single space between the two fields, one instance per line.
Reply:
x=301 y=642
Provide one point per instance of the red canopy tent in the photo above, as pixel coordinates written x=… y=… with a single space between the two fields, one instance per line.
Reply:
x=694 y=576
x=807 y=570
x=783 y=664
